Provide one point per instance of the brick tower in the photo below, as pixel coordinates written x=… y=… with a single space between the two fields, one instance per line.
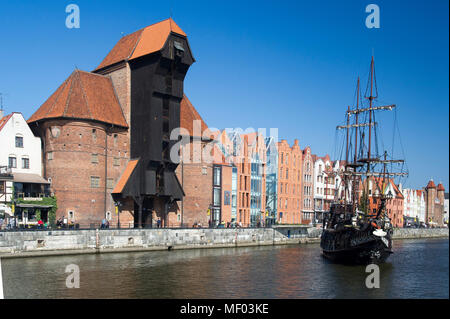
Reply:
x=430 y=191
x=85 y=146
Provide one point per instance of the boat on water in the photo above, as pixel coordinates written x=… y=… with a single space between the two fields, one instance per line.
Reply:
x=358 y=228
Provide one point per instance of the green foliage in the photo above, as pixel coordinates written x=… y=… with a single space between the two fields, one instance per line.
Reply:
x=46 y=201
x=362 y=206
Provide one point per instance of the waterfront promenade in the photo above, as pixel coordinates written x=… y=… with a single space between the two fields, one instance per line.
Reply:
x=69 y=242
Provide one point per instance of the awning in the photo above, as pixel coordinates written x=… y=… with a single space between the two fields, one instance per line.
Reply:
x=33 y=206
x=29 y=178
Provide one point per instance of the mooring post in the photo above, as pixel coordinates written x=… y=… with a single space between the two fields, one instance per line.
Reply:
x=2 y=296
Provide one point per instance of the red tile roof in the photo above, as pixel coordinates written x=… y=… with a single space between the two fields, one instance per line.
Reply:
x=188 y=114
x=145 y=41
x=431 y=184
x=125 y=176
x=86 y=96
x=4 y=120
x=440 y=187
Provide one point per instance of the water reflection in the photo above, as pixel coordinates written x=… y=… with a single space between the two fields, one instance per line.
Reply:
x=418 y=269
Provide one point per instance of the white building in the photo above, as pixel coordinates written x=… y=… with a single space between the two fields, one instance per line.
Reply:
x=20 y=170
x=414 y=204
x=323 y=188
x=21 y=150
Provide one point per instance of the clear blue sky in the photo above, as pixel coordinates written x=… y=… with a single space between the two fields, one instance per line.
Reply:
x=285 y=64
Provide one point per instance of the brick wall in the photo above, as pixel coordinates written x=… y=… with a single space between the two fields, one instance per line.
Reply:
x=290 y=161
x=75 y=151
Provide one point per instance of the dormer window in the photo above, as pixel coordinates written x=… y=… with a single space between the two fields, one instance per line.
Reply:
x=179 y=50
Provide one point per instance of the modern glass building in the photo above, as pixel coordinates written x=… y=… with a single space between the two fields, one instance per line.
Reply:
x=271 y=180
x=256 y=179
x=234 y=185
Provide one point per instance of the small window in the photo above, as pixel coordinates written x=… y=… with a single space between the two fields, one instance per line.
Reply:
x=71 y=215
x=49 y=156
x=25 y=163
x=12 y=162
x=19 y=141
x=110 y=183
x=94 y=134
x=217 y=176
x=115 y=139
x=108 y=215
x=204 y=170
x=116 y=161
x=94 y=158
x=95 y=182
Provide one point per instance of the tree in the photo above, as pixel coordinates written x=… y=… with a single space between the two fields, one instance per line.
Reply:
x=362 y=205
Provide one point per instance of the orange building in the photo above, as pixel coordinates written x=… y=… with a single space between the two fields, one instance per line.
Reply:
x=239 y=179
x=289 y=191
x=394 y=206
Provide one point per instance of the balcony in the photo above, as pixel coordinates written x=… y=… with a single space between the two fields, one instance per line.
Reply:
x=5 y=171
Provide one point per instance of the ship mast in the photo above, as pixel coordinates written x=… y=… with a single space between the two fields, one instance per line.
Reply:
x=355 y=179
x=371 y=97
x=370 y=173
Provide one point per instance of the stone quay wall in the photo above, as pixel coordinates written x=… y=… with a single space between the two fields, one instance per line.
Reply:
x=63 y=242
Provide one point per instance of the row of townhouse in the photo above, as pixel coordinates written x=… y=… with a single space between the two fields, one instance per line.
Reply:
x=426 y=205
x=102 y=144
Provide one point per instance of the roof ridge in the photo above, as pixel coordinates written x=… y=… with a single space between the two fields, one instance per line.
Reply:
x=69 y=93
x=85 y=99
x=137 y=42
x=90 y=73
x=60 y=92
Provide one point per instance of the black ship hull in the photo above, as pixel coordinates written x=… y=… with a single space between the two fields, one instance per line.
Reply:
x=354 y=246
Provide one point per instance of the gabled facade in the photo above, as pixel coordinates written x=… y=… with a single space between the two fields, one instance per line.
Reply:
x=307 y=181
x=394 y=205
x=290 y=193
x=21 y=172
x=21 y=149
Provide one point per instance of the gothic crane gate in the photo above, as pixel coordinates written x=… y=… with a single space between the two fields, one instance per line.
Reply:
x=156 y=92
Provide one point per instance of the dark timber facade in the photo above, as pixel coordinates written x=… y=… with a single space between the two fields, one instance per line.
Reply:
x=156 y=93
x=135 y=93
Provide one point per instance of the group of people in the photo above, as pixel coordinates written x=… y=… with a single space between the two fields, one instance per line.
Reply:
x=11 y=223
x=63 y=222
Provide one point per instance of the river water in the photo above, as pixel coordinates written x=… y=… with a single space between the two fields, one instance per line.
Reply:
x=417 y=269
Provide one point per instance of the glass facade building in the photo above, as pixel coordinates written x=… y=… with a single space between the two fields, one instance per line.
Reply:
x=256 y=178
x=271 y=180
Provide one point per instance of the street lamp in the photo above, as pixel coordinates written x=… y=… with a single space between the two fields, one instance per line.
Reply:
x=118 y=205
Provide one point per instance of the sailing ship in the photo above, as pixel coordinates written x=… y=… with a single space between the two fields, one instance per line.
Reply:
x=354 y=231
